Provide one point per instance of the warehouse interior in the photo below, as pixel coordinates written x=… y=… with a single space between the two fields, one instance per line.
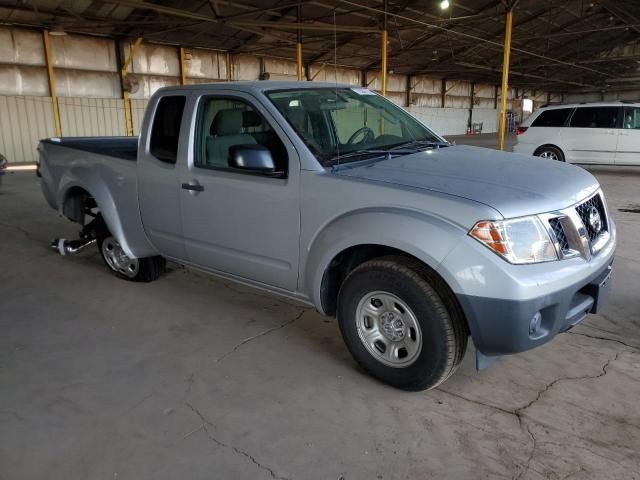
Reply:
x=200 y=377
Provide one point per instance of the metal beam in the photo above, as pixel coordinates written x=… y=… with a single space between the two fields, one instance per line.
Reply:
x=125 y=94
x=52 y=84
x=183 y=70
x=383 y=60
x=502 y=123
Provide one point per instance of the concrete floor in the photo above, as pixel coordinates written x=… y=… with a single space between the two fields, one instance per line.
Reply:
x=191 y=377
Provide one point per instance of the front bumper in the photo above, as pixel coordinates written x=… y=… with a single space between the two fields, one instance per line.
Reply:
x=503 y=326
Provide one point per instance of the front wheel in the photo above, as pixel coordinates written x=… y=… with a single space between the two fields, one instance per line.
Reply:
x=401 y=324
x=134 y=269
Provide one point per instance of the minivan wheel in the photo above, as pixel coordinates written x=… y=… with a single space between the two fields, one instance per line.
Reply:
x=550 y=152
x=400 y=324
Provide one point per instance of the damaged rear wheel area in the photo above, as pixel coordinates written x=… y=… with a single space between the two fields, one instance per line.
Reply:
x=114 y=257
x=81 y=208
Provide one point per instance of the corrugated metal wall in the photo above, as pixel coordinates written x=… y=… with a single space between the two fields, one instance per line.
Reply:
x=90 y=96
x=88 y=117
x=24 y=120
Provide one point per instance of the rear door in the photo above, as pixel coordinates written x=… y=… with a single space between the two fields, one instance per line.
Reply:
x=592 y=136
x=239 y=223
x=628 y=152
x=158 y=177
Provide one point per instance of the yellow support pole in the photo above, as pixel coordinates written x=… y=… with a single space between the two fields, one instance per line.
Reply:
x=183 y=70
x=52 y=84
x=383 y=62
x=229 y=72
x=299 y=69
x=383 y=69
x=128 y=118
x=502 y=123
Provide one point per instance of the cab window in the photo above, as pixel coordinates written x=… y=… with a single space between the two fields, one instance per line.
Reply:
x=165 y=131
x=227 y=122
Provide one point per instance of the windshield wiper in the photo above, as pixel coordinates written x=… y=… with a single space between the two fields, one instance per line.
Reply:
x=359 y=153
x=419 y=144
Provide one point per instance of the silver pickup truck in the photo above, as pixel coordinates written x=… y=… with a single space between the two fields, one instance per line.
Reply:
x=336 y=197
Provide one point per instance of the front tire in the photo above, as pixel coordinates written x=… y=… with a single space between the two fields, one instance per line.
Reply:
x=550 y=152
x=133 y=269
x=401 y=323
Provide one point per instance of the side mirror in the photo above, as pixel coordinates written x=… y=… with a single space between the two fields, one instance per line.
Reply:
x=252 y=159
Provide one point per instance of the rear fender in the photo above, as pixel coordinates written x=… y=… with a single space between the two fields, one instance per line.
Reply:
x=424 y=236
x=128 y=231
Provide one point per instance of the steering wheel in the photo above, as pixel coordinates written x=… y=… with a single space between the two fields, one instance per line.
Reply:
x=366 y=133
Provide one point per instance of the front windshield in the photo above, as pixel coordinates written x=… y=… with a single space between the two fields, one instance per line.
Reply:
x=345 y=124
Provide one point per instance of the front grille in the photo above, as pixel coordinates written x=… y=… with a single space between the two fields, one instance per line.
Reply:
x=584 y=209
x=558 y=231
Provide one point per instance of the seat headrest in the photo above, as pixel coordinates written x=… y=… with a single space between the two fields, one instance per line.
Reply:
x=250 y=118
x=227 y=122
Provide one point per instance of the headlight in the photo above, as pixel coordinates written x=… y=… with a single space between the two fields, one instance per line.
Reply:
x=519 y=240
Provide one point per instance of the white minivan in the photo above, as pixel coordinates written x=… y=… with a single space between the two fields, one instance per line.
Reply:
x=605 y=133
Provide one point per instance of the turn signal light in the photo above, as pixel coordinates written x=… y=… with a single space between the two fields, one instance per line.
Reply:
x=521 y=130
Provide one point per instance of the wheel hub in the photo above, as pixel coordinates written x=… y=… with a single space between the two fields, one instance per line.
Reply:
x=392 y=326
x=388 y=329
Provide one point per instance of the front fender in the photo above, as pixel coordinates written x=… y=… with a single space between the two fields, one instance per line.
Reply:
x=118 y=204
x=427 y=237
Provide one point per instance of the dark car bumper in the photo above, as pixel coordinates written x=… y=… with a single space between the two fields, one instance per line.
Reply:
x=502 y=326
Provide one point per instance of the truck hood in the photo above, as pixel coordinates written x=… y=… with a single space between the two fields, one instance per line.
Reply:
x=514 y=184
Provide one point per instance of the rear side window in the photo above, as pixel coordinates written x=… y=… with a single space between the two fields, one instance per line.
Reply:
x=595 y=117
x=552 y=118
x=631 y=119
x=165 y=131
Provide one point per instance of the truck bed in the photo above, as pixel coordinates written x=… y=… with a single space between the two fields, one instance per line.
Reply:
x=125 y=148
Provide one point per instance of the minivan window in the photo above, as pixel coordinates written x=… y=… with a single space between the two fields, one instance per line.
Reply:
x=595 y=117
x=552 y=118
x=631 y=118
x=165 y=131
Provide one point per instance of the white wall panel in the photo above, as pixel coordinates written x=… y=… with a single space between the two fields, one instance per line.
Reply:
x=85 y=83
x=91 y=117
x=424 y=84
x=23 y=80
x=151 y=59
x=246 y=67
x=445 y=121
x=488 y=117
x=328 y=73
x=82 y=52
x=205 y=64
x=282 y=67
x=21 y=46
x=23 y=122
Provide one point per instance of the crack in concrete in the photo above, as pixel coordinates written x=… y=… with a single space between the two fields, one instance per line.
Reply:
x=26 y=233
x=597 y=337
x=258 y=335
x=206 y=422
x=191 y=378
x=518 y=412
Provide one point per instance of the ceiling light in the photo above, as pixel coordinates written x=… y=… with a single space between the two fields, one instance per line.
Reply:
x=57 y=31
x=444 y=4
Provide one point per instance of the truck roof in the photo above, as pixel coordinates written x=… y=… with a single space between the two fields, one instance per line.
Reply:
x=258 y=85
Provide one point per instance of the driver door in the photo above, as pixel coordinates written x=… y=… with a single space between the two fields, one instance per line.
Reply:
x=243 y=224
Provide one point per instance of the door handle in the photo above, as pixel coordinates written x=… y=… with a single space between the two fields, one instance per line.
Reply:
x=193 y=187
